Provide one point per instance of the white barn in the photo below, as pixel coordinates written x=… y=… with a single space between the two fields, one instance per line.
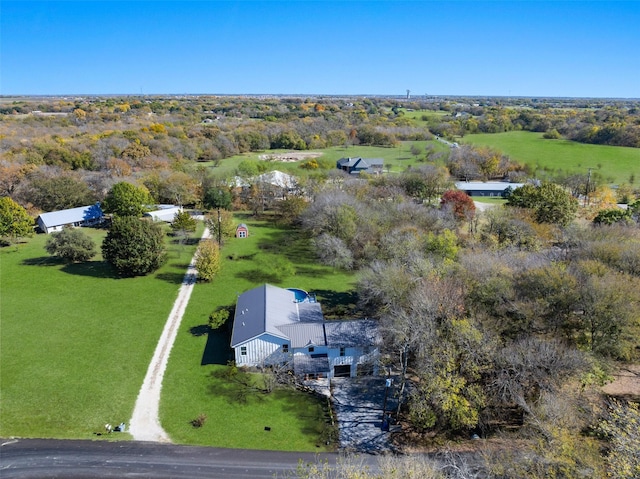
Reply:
x=166 y=213
x=72 y=217
x=274 y=325
x=486 y=188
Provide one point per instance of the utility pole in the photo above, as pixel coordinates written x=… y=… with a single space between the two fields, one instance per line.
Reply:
x=586 y=196
x=385 y=419
x=219 y=228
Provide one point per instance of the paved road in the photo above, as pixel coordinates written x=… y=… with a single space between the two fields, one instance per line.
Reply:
x=42 y=458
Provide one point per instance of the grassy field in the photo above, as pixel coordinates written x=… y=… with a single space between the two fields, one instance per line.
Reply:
x=193 y=385
x=615 y=164
x=396 y=159
x=76 y=342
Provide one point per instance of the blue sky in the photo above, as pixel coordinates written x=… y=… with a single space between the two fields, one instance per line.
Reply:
x=520 y=48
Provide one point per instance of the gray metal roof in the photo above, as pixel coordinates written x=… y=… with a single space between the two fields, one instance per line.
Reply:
x=303 y=335
x=263 y=310
x=486 y=185
x=71 y=215
x=359 y=161
x=269 y=309
x=357 y=332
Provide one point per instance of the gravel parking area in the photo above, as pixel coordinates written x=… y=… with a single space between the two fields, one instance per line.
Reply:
x=358 y=404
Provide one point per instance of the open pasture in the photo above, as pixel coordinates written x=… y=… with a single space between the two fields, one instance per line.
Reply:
x=614 y=164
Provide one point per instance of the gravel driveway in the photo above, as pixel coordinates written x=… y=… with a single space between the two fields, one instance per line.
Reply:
x=358 y=404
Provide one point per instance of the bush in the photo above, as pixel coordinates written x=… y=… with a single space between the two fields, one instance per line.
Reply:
x=72 y=245
x=199 y=421
x=218 y=317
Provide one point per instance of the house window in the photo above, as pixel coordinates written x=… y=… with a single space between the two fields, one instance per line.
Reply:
x=342 y=351
x=285 y=348
x=243 y=350
x=242 y=234
x=311 y=349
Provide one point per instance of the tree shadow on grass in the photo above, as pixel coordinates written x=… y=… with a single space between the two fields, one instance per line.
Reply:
x=173 y=278
x=237 y=388
x=94 y=269
x=43 y=261
x=259 y=276
x=339 y=304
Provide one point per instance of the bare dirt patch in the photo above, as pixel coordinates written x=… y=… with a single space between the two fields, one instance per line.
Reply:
x=291 y=156
x=626 y=382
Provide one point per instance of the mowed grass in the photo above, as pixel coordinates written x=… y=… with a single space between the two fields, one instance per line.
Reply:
x=195 y=381
x=615 y=164
x=75 y=340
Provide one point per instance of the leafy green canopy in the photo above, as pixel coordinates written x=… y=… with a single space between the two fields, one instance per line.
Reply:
x=549 y=202
x=134 y=247
x=71 y=244
x=125 y=199
x=14 y=219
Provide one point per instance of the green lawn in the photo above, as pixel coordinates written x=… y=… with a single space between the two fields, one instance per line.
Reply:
x=192 y=383
x=76 y=341
x=615 y=164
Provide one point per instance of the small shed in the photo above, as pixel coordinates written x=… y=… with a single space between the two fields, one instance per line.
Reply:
x=242 y=231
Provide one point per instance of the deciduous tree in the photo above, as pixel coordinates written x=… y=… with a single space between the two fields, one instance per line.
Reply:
x=550 y=203
x=459 y=203
x=71 y=244
x=134 y=247
x=125 y=199
x=207 y=260
x=15 y=222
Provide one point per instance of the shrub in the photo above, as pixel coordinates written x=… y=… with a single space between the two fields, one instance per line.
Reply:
x=72 y=245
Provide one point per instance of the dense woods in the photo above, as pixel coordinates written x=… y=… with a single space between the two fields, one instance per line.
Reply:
x=508 y=319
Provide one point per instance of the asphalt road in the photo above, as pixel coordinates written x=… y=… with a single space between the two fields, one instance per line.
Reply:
x=49 y=458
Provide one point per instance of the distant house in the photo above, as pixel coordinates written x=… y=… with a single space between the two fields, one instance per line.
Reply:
x=73 y=217
x=274 y=325
x=486 y=188
x=277 y=184
x=242 y=231
x=355 y=166
x=165 y=213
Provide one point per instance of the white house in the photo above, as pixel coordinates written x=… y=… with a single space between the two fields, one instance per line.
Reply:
x=72 y=217
x=274 y=325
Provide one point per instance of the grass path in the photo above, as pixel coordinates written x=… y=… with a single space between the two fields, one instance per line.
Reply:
x=145 y=424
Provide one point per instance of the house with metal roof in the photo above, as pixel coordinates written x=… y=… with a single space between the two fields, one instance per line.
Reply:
x=72 y=217
x=274 y=325
x=355 y=166
x=486 y=188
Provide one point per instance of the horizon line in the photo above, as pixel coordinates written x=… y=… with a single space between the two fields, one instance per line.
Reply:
x=330 y=95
